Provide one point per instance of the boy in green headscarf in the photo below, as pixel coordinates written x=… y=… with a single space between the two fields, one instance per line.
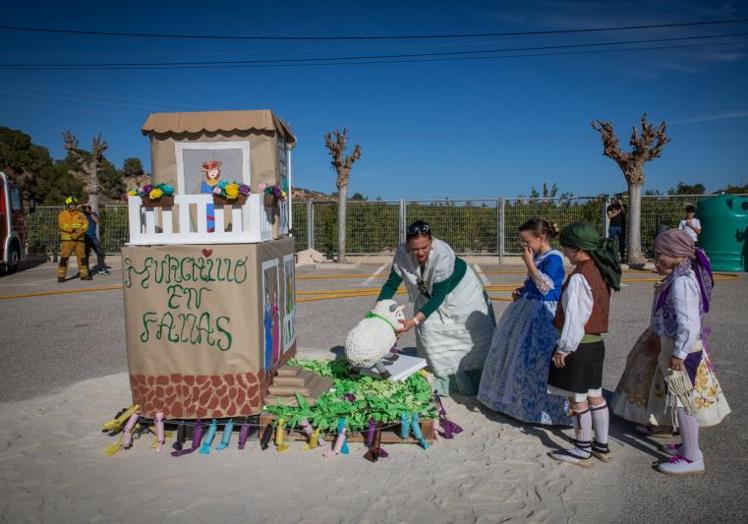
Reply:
x=582 y=319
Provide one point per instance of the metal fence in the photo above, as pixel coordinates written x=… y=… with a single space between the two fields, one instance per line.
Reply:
x=471 y=227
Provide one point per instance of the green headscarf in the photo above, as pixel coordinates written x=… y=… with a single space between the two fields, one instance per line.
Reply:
x=603 y=252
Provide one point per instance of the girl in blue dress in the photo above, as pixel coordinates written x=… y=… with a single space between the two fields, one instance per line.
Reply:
x=515 y=375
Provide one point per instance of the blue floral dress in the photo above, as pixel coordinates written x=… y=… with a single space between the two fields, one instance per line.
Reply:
x=515 y=375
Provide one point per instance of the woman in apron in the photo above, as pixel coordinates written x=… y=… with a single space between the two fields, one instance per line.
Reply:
x=452 y=316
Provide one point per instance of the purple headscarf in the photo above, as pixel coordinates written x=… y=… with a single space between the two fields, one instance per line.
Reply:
x=678 y=244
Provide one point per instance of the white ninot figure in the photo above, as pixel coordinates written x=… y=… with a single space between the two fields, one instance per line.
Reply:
x=374 y=336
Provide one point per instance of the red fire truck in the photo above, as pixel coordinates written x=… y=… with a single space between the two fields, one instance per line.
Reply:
x=12 y=225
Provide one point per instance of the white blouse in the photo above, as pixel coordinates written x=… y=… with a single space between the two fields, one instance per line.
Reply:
x=686 y=297
x=577 y=303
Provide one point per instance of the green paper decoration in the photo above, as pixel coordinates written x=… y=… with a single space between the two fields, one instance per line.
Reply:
x=382 y=400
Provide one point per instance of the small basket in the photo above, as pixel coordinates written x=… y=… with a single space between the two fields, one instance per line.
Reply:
x=164 y=201
x=240 y=200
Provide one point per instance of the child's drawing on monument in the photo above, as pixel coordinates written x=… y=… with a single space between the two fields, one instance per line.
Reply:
x=212 y=172
x=289 y=309
x=271 y=312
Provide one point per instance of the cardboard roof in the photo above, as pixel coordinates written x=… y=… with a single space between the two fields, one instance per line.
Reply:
x=216 y=121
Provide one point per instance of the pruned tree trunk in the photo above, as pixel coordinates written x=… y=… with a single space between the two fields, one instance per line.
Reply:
x=342 y=202
x=646 y=144
x=87 y=165
x=634 y=230
x=336 y=142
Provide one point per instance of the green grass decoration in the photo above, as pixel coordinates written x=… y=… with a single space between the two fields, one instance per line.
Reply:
x=382 y=400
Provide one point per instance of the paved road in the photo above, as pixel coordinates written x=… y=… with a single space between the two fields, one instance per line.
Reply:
x=48 y=342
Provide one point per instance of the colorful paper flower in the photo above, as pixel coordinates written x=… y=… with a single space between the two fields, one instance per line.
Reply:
x=167 y=189
x=146 y=189
x=245 y=190
x=232 y=191
x=217 y=191
x=155 y=193
x=132 y=192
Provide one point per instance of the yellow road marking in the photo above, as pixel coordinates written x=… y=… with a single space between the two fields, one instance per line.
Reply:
x=316 y=295
x=60 y=292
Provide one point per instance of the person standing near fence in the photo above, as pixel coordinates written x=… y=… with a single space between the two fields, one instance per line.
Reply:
x=617 y=226
x=515 y=377
x=92 y=242
x=691 y=225
x=452 y=316
x=72 y=225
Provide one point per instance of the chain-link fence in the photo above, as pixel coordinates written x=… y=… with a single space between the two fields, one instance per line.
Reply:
x=471 y=227
x=561 y=211
x=44 y=238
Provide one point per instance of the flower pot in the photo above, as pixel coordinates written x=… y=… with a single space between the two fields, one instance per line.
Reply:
x=164 y=201
x=270 y=201
x=219 y=200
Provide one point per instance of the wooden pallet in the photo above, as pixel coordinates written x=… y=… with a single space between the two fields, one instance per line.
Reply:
x=390 y=435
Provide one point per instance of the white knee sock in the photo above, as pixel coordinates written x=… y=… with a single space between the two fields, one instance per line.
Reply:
x=689 y=433
x=600 y=421
x=583 y=427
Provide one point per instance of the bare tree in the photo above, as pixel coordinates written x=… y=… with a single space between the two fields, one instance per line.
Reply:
x=646 y=144
x=336 y=144
x=87 y=165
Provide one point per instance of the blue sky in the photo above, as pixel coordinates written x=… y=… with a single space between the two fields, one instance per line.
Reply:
x=458 y=129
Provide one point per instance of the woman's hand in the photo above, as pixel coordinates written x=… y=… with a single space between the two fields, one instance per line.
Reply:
x=559 y=359
x=676 y=364
x=407 y=326
x=528 y=257
x=517 y=294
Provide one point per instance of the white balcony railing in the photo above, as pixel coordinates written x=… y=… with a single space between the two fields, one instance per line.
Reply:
x=245 y=224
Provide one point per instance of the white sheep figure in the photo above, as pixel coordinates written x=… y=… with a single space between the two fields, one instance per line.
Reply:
x=374 y=336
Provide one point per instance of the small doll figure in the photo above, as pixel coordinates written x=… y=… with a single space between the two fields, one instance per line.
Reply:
x=212 y=171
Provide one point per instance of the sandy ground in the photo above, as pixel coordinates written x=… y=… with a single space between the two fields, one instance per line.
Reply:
x=64 y=374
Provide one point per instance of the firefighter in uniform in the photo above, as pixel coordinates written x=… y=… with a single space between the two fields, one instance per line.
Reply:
x=72 y=225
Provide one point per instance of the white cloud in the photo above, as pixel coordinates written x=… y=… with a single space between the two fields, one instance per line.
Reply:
x=720 y=115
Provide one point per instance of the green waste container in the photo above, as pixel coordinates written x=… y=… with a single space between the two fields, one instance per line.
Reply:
x=724 y=231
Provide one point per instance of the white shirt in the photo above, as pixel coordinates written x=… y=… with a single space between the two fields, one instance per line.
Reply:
x=695 y=223
x=686 y=297
x=577 y=302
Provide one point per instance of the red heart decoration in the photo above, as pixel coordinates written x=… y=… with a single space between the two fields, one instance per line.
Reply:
x=207 y=252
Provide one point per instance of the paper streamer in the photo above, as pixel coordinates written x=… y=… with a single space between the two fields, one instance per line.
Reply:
x=404 y=425
x=375 y=451
x=181 y=437
x=280 y=435
x=266 y=436
x=312 y=440
x=127 y=432
x=370 y=433
x=342 y=430
x=160 y=437
x=228 y=429
x=449 y=428
x=197 y=437
x=416 y=425
x=208 y=442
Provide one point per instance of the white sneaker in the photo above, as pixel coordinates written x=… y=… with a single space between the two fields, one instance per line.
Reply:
x=681 y=466
x=577 y=456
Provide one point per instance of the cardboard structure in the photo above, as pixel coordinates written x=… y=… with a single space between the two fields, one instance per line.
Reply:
x=207 y=325
x=210 y=314
x=250 y=147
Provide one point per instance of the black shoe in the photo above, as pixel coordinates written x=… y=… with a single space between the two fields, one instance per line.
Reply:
x=60 y=280
x=87 y=277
